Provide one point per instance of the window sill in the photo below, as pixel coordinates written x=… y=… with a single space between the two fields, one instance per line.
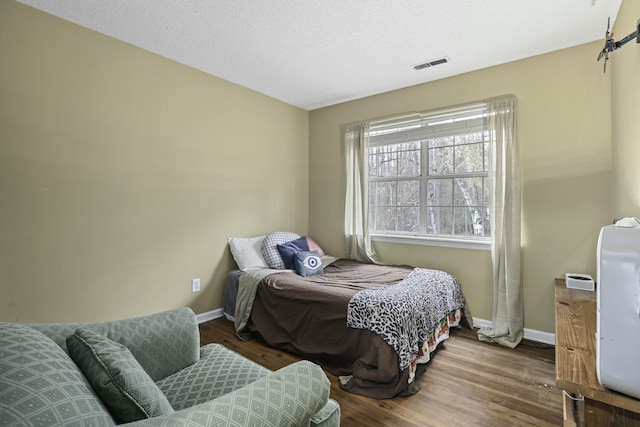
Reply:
x=482 y=245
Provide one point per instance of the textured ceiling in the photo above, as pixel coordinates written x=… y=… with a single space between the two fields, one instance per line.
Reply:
x=314 y=53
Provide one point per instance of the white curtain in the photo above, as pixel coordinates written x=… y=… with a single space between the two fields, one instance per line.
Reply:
x=506 y=253
x=356 y=213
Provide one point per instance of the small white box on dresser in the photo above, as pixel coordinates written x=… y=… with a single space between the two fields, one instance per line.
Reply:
x=580 y=281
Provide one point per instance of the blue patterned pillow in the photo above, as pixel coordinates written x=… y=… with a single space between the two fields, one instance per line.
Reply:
x=117 y=378
x=288 y=251
x=308 y=263
x=270 y=249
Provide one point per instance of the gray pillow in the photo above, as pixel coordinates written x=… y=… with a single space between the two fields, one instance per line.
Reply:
x=117 y=378
x=270 y=247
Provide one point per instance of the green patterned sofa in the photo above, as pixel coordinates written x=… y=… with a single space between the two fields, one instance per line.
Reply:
x=159 y=372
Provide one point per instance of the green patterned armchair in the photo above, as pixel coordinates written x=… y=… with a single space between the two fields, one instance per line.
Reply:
x=150 y=371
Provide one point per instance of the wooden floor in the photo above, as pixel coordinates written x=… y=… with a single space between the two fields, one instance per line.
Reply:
x=467 y=383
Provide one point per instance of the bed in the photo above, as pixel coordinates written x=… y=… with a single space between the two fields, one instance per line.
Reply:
x=374 y=326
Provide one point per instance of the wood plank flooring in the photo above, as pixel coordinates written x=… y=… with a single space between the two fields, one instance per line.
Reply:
x=467 y=383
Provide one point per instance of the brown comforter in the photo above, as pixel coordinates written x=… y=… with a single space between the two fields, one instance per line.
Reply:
x=307 y=316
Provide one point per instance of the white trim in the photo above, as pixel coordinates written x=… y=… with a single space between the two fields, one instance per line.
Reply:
x=539 y=336
x=529 y=334
x=482 y=245
x=209 y=315
x=482 y=324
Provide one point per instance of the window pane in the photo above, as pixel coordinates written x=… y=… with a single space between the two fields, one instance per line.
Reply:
x=486 y=197
x=371 y=195
x=385 y=218
x=440 y=160
x=414 y=145
x=469 y=158
x=440 y=192
x=463 y=220
x=471 y=222
x=395 y=160
x=468 y=192
x=469 y=138
x=440 y=220
x=486 y=222
x=409 y=219
x=373 y=166
x=486 y=156
x=441 y=142
x=409 y=163
x=460 y=139
x=388 y=165
x=384 y=193
x=409 y=193
x=383 y=162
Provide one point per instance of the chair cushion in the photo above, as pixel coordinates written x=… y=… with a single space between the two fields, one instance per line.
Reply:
x=117 y=377
x=40 y=384
x=218 y=372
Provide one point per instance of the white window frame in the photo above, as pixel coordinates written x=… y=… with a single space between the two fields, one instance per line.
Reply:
x=421 y=127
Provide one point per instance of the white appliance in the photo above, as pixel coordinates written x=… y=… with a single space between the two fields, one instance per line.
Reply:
x=581 y=281
x=618 y=302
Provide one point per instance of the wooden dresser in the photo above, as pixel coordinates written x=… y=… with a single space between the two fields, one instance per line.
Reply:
x=586 y=402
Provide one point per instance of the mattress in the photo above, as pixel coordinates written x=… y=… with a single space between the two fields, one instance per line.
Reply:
x=231 y=294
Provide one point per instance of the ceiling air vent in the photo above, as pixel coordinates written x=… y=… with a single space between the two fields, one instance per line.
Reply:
x=431 y=63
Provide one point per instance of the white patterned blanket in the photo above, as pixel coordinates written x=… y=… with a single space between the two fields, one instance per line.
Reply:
x=405 y=313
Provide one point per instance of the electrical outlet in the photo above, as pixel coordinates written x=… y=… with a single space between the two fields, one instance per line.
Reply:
x=195 y=285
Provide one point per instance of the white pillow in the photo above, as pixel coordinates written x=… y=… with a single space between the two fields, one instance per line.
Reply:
x=247 y=252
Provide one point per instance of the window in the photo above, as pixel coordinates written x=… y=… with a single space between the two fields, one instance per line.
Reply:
x=429 y=177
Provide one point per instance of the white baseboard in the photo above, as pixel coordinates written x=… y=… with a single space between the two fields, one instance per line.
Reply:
x=540 y=336
x=482 y=323
x=529 y=334
x=209 y=315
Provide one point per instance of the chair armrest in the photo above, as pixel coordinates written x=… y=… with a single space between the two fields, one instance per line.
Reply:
x=163 y=343
x=287 y=397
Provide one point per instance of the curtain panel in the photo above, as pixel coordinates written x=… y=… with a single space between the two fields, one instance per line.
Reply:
x=506 y=252
x=356 y=215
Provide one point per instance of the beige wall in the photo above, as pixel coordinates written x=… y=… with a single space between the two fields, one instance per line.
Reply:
x=122 y=174
x=564 y=135
x=624 y=65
